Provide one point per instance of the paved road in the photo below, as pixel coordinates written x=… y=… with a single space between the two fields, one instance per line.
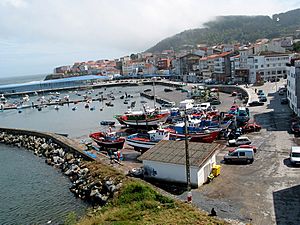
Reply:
x=267 y=191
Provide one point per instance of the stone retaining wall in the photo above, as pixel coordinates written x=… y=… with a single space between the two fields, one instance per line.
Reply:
x=68 y=156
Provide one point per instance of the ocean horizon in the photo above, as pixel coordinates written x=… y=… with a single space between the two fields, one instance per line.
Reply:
x=21 y=79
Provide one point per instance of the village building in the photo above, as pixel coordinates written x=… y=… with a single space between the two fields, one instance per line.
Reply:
x=166 y=161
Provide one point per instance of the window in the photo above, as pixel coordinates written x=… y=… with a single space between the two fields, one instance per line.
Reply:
x=234 y=154
x=242 y=153
x=256 y=66
x=262 y=66
x=255 y=60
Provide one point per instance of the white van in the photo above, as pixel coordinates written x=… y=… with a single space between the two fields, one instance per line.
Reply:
x=205 y=105
x=240 y=155
x=186 y=104
x=295 y=155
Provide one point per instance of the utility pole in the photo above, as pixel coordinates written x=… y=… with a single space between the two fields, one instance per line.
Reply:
x=187 y=159
x=154 y=99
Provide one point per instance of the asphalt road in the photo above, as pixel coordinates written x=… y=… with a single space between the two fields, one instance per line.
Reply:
x=267 y=191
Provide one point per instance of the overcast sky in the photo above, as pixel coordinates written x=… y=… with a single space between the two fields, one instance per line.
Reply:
x=38 y=35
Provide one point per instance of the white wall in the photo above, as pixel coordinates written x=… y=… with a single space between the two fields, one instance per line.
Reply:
x=177 y=173
x=205 y=170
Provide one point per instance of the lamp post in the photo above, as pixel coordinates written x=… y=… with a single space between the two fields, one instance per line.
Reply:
x=187 y=159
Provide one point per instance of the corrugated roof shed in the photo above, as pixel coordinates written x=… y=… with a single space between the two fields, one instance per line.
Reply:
x=174 y=152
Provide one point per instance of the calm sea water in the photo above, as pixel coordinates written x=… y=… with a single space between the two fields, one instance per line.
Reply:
x=21 y=79
x=32 y=192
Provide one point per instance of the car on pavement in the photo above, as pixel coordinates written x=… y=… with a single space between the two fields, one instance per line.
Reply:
x=249 y=146
x=244 y=146
x=234 y=93
x=215 y=102
x=259 y=92
x=262 y=98
x=240 y=155
x=281 y=92
x=251 y=127
x=284 y=101
x=295 y=128
x=256 y=103
x=239 y=141
x=295 y=155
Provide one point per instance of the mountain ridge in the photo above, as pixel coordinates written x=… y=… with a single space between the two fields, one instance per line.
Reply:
x=233 y=29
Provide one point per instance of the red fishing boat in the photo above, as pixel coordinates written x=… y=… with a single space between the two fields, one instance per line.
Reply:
x=108 y=140
x=204 y=137
x=142 y=119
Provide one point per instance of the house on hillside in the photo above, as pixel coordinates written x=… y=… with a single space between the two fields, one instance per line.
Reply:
x=166 y=161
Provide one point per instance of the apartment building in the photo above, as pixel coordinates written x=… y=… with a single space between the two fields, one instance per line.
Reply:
x=293 y=85
x=268 y=65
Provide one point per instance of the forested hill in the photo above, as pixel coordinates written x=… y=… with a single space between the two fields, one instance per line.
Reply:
x=232 y=29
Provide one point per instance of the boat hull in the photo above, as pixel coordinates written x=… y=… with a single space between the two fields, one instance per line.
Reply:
x=198 y=137
x=144 y=122
x=118 y=143
x=140 y=145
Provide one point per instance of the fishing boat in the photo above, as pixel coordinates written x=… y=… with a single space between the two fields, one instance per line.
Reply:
x=144 y=118
x=107 y=123
x=109 y=104
x=108 y=140
x=207 y=136
x=144 y=141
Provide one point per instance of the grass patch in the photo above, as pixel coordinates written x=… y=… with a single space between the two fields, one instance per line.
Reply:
x=139 y=203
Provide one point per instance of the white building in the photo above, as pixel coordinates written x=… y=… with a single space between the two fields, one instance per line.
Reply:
x=268 y=66
x=293 y=86
x=166 y=161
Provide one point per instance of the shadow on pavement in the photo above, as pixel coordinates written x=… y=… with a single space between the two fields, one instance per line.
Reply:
x=287 y=205
x=278 y=119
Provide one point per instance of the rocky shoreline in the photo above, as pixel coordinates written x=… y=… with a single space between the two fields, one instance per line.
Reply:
x=87 y=183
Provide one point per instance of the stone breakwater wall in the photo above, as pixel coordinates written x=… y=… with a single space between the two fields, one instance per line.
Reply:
x=63 y=154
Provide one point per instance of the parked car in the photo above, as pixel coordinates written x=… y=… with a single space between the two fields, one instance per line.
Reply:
x=239 y=141
x=295 y=155
x=244 y=146
x=281 y=92
x=251 y=127
x=284 y=101
x=295 y=128
x=259 y=92
x=262 y=98
x=215 y=102
x=256 y=103
x=240 y=155
x=234 y=93
x=249 y=146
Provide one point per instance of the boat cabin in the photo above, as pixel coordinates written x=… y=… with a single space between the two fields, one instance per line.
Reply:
x=160 y=134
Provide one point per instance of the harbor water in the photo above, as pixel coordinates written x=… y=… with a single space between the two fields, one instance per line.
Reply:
x=32 y=192
x=82 y=121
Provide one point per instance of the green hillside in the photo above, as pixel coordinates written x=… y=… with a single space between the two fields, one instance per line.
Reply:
x=233 y=29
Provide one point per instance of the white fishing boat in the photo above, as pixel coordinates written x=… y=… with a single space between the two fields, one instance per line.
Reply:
x=144 y=141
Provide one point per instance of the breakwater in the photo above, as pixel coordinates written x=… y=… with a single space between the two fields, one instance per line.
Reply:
x=62 y=153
